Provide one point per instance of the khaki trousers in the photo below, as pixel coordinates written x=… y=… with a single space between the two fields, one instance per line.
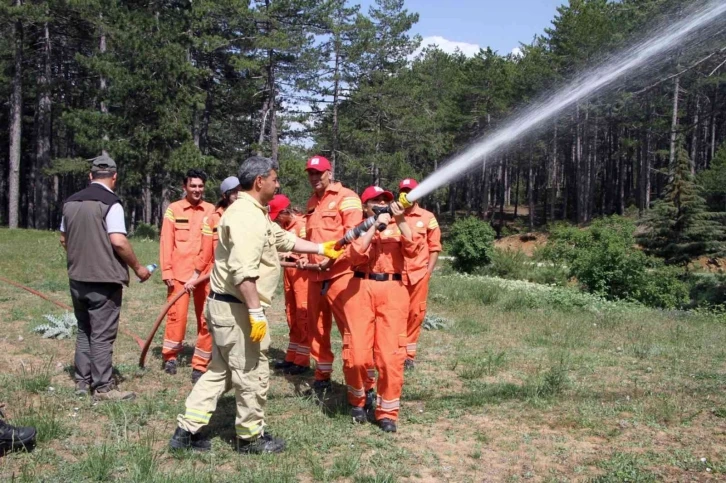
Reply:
x=237 y=362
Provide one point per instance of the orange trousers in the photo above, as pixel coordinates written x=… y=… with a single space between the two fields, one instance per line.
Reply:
x=176 y=326
x=376 y=336
x=418 y=293
x=296 y=307
x=321 y=309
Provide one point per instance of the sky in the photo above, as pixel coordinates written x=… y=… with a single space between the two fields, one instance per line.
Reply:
x=470 y=24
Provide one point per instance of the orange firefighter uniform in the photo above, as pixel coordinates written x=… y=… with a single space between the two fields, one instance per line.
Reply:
x=376 y=318
x=296 y=302
x=328 y=218
x=423 y=223
x=181 y=242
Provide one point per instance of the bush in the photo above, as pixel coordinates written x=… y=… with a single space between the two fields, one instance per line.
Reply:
x=605 y=261
x=707 y=290
x=471 y=244
x=146 y=231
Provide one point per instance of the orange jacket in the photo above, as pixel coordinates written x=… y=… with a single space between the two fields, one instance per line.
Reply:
x=423 y=223
x=328 y=218
x=297 y=228
x=181 y=238
x=204 y=261
x=389 y=252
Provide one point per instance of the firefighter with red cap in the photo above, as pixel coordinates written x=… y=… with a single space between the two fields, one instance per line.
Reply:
x=377 y=312
x=295 y=282
x=331 y=211
x=419 y=269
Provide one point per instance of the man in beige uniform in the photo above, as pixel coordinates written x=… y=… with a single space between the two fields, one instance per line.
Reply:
x=243 y=280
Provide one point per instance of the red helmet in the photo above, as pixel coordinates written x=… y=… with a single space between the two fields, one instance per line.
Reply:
x=278 y=203
x=374 y=192
x=318 y=163
x=407 y=184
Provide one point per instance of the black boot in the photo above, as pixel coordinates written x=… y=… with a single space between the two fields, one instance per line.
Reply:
x=409 y=365
x=264 y=444
x=170 y=367
x=15 y=437
x=359 y=415
x=183 y=439
x=196 y=374
x=295 y=370
x=320 y=388
x=370 y=400
x=387 y=425
x=282 y=365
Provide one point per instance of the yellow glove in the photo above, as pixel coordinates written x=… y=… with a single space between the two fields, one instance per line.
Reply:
x=328 y=249
x=258 y=321
x=403 y=199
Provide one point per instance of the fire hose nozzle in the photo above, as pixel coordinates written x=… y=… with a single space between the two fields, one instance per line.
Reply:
x=403 y=199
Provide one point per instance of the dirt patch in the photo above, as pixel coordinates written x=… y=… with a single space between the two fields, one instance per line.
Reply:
x=526 y=242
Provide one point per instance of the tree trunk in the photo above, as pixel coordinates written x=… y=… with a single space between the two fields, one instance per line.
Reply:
x=674 y=123
x=694 y=138
x=43 y=137
x=16 y=126
x=336 y=97
x=552 y=192
x=530 y=192
x=147 y=198
x=102 y=86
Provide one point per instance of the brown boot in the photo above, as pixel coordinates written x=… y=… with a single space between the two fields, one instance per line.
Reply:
x=113 y=394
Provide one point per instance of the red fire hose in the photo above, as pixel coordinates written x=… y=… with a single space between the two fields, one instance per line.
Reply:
x=138 y=339
x=160 y=318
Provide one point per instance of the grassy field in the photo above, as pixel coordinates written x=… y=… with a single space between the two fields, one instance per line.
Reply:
x=523 y=383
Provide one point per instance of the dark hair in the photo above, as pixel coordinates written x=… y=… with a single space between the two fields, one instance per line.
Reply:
x=103 y=174
x=253 y=167
x=223 y=201
x=195 y=173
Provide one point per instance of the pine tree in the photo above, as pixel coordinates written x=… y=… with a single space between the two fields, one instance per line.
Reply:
x=680 y=227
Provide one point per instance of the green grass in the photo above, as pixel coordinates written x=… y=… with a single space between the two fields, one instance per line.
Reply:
x=522 y=382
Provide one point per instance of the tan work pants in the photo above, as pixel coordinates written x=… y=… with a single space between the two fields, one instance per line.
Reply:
x=236 y=360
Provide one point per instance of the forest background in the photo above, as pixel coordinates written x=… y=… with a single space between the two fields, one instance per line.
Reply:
x=163 y=86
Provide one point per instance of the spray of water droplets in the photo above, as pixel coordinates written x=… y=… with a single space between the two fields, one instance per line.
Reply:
x=597 y=79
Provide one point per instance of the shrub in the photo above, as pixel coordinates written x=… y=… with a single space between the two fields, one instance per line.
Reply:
x=471 y=244
x=605 y=261
x=146 y=231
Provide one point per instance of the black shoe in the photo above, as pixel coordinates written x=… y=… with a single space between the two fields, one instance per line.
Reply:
x=387 y=425
x=15 y=437
x=295 y=370
x=370 y=400
x=264 y=444
x=409 y=365
x=170 y=367
x=320 y=388
x=359 y=415
x=183 y=439
x=196 y=374
x=282 y=365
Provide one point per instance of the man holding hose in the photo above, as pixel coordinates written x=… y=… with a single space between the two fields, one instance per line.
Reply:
x=243 y=280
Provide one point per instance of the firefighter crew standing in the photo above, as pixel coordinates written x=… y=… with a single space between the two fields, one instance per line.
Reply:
x=204 y=261
x=243 y=280
x=331 y=211
x=419 y=270
x=295 y=282
x=377 y=313
x=181 y=241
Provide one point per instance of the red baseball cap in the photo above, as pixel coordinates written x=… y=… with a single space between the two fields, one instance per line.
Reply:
x=318 y=163
x=374 y=192
x=278 y=203
x=407 y=184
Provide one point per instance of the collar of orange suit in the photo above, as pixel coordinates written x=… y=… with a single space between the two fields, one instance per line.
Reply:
x=415 y=210
x=186 y=205
x=333 y=187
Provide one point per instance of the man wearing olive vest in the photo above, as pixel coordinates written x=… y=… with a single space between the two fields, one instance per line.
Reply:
x=93 y=233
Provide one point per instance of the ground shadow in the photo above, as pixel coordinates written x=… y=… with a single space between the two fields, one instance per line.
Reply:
x=183 y=358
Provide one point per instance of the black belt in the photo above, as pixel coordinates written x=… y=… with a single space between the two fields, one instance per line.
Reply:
x=223 y=297
x=378 y=277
